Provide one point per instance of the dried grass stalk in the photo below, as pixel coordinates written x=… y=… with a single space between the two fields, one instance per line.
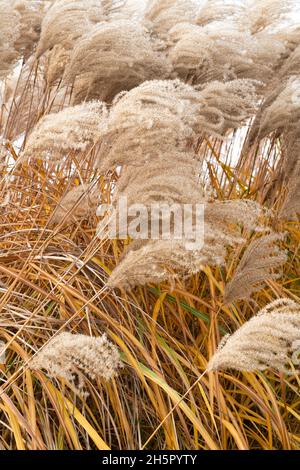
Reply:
x=270 y=339
x=73 y=356
x=256 y=266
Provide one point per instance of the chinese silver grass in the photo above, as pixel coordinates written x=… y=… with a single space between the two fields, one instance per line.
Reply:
x=256 y=266
x=290 y=67
x=162 y=116
x=148 y=261
x=161 y=180
x=221 y=51
x=219 y=10
x=162 y=15
x=63 y=24
x=291 y=38
x=57 y=59
x=9 y=33
x=75 y=356
x=279 y=112
x=283 y=114
x=21 y=99
x=269 y=340
x=244 y=212
x=290 y=209
x=74 y=129
x=154 y=172
x=227 y=105
x=113 y=57
x=31 y=15
x=158 y=261
x=148 y=122
x=66 y=21
x=264 y=14
x=257 y=15
x=125 y=10
x=80 y=202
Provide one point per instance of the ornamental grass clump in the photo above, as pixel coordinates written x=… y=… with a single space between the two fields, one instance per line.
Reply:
x=187 y=111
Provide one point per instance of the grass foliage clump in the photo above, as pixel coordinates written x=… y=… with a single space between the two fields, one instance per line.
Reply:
x=119 y=343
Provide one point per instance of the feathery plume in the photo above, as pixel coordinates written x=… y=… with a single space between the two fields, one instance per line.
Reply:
x=66 y=21
x=79 y=202
x=264 y=14
x=31 y=14
x=9 y=32
x=283 y=114
x=271 y=339
x=256 y=266
x=165 y=171
x=19 y=31
x=162 y=117
x=222 y=51
x=113 y=57
x=74 y=129
x=148 y=261
x=219 y=10
x=74 y=356
x=291 y=206
x=162 y=15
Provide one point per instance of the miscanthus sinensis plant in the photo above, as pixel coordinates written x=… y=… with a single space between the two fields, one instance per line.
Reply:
x=73 y=357
x=160 y=102
x=271 y=339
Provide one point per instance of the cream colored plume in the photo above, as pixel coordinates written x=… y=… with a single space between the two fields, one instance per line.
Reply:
x=256 y=267
x=219 y=10
x=269 y=340
x=74 y=356
x=264 y=14
x=283 y=114
x=256 y=15
x=80 y=202
x=113 y=57
x=154 y=261
x=64 y=23
x=68 y=20
x=166 y=170
x=290 y=209
x=20 y=28
x=9 y=33
x=159 y=118
x=223 y=51
x=31 y=15
x=162 y=15
x=73 y=130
